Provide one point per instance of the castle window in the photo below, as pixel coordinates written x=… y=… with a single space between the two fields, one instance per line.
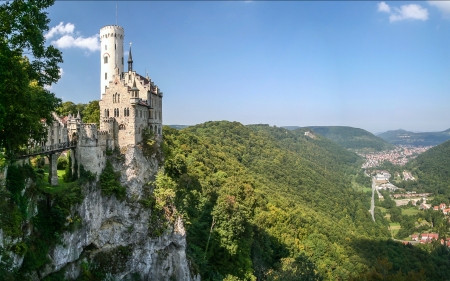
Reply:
x=106 y=75
x=115 y=48
x=118 y=97
x=122 y=62
x=121 y=127
x=124 y=112
x=106 y=47
x=107 y=113
x=105 y=59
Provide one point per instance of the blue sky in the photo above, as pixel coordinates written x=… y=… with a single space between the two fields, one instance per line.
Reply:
x=372 y=65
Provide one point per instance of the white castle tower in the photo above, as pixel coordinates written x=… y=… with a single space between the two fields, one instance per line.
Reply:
x=111 y=53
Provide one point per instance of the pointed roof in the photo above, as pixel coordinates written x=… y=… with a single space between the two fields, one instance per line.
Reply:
x=130 y=60
x=134 y=86
x=78 y=115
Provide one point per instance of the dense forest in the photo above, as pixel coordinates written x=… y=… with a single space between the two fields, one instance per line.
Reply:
x=352 y=138
x=402 y=137
x=272 y=204
x=432 y=170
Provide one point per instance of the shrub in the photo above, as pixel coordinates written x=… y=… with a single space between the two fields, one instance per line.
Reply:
x=62 y=163
x=110 y=184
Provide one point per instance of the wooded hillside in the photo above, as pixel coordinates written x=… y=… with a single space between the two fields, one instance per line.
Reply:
x=268 y=203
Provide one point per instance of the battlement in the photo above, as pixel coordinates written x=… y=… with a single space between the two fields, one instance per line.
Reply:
x=108 y=120
x=101 y=133
x=111 y=31
x=88 y=125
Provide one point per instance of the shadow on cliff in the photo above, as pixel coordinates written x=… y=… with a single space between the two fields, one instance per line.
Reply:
x=392 y=260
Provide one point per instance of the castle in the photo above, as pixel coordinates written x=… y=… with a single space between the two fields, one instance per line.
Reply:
x=129 y=104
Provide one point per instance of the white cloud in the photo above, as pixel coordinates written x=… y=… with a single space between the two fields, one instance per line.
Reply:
x=68 y=41
x=383 y=7
x=61 y=72
x=444 y=6
x=60 y=29
x=411 y=11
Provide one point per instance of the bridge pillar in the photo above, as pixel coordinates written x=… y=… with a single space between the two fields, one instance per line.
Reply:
x=52 y=169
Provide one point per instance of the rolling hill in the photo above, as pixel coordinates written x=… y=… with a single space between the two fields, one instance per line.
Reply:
x=432 y=169
x=267 y=203
x=351 y=138
x=402 y=137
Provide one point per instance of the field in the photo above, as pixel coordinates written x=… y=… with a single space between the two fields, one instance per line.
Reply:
x=394 y=227
x=410 y=211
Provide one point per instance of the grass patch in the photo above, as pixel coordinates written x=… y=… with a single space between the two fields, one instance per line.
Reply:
x=61 y=187
x=394 y=227
x=382 y=209
x=410 y=211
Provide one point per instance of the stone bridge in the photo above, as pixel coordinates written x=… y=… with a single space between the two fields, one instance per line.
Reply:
x=52 y=151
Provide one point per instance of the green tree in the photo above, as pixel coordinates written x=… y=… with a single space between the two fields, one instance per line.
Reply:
x=91 y=113
x=24 y=101
x=69 y=107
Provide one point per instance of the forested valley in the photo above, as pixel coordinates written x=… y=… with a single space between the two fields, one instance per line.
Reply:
x=274 y=204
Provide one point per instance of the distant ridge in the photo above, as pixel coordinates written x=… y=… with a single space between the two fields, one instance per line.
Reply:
x=179 y=127
x=403 y=137
x=349 y=137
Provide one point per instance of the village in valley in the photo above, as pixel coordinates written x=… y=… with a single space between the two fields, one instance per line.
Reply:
x=398 y=156
x=411 y=216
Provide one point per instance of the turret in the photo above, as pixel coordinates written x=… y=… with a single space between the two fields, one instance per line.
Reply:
x=134 y=94
x=111 y=54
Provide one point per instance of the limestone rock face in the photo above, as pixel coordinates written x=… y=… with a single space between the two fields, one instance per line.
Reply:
x=117 y=232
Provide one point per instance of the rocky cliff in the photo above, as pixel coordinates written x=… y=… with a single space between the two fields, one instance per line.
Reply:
x=117 y=237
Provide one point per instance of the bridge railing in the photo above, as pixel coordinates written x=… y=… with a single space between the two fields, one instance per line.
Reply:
x=47 y=149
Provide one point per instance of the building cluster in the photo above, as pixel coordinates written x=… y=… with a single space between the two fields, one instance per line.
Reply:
x=425 y=238
x=441 y=207
x=398 y=156
x=411 y=195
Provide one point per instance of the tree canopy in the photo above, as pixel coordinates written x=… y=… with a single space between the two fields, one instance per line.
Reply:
x=26 y=66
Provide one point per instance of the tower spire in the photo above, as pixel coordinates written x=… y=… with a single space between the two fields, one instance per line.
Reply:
x=130 y=60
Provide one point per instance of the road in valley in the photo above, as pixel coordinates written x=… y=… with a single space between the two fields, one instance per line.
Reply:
x=372 y=206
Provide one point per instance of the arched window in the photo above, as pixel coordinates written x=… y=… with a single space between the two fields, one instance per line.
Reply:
x=105 y=47
x=107 y=113
x=105 y=59
x=121 y=127
x=124 y=112
x=118 y=112
x=128 y=112
x=118 y=97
